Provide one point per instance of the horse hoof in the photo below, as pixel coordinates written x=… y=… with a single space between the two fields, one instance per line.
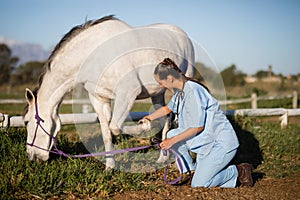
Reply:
x=132 y=130
x=116 y=132
x=162 y=158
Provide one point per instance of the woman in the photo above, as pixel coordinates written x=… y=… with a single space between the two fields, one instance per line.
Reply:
x=202 y=129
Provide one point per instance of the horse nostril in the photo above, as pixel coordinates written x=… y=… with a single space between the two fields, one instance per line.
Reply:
x=31 y=156
x=39 y=160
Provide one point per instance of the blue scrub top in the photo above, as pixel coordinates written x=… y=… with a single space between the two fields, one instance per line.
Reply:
x=198 y=108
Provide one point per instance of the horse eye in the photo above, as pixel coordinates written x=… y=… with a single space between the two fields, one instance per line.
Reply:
x=26 y=122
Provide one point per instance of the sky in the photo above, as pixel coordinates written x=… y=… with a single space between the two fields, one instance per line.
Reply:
x=252 y=34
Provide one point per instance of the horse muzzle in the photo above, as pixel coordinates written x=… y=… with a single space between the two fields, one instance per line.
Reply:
x=36 y=156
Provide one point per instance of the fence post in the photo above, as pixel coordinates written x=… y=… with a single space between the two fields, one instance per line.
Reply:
x=253 y=101
x=86 y=108
x=295 y=99
x=284 y=119
x=4 y=121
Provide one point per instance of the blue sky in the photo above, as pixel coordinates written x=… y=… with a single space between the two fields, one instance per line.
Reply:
x=251 y=34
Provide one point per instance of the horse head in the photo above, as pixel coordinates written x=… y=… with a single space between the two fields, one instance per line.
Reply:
x=42 y=126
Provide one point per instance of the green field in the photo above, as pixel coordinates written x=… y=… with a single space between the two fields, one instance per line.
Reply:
x=274 y=152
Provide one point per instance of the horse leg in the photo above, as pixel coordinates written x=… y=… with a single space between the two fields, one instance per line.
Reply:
x=124 y=101
x=122 y=106
x=103 y=109
x=159 y=101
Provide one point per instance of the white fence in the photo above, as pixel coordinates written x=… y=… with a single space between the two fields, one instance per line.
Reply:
x=74 y=118
x=85 y=117
x=253 y=99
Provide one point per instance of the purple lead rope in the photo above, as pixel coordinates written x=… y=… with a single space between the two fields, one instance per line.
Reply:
x=104 y=153
x=177 y=158
x=119 y=151
x=173 y=182
x=113 y=152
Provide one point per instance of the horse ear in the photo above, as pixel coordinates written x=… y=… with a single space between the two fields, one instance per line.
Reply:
x=29 y=96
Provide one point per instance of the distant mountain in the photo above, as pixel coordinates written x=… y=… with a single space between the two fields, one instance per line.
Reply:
x=25 y=51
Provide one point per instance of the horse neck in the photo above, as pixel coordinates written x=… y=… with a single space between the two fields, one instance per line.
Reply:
x=53 y=88
x=63 y=74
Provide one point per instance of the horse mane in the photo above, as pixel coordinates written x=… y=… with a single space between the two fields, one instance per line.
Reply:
x=74 y=32
x=65 y=39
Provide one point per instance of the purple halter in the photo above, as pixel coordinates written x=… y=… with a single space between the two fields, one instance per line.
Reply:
x=113 y=152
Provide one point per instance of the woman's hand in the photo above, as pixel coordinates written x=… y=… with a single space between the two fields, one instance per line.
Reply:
x=167 y=143
x=188 y=133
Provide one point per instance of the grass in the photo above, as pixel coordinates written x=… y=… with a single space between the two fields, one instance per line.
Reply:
x=86 y=177
x=280 y=148
x=21 y=178
x=274 y=151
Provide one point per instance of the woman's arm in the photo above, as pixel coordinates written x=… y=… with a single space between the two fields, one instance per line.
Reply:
x=190 y=132
x=163 y=111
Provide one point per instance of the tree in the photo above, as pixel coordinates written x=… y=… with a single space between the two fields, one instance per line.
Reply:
x=7 y=63
x=261 y=74
x=207 y=75
x=27 y=73
x=232 y=77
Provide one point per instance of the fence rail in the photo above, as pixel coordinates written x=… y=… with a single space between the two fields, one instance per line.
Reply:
x=253 y=99
x=65 y=101
x=87 y=118
x=74 y=118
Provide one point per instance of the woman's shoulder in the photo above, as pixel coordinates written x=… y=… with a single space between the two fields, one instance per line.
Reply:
x=194 y=85
x=196 y=88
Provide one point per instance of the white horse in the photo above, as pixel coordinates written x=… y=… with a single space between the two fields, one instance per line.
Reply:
x=113 y=61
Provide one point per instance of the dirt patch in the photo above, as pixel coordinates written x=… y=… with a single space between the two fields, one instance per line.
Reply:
x=266 y=188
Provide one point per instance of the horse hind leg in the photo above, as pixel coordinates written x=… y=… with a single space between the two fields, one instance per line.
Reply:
x=159 y=101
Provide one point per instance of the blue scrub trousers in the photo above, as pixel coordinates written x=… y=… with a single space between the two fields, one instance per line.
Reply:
x=211 y=170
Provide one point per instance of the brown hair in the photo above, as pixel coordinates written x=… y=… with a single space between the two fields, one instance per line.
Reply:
x=169 y=67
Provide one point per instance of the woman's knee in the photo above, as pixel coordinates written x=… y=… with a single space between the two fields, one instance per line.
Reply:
x=200 y=182
x=201 y=178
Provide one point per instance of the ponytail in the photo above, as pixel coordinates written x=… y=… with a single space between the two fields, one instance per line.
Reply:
x=169 y=67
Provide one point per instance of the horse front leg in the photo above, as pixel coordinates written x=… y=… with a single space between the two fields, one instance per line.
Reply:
x=121 y=111
x=124 y=101
x=103 y=110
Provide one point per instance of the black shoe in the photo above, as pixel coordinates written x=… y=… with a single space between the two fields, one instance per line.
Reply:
x=244 y=174
x=186 y=178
